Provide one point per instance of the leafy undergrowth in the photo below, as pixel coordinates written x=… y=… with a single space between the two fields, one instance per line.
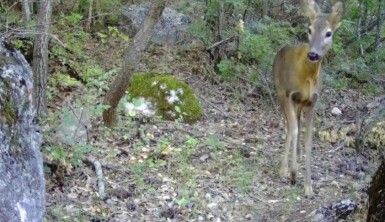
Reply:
x=223 y=168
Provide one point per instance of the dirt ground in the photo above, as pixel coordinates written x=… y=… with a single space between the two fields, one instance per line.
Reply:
x=222 y=168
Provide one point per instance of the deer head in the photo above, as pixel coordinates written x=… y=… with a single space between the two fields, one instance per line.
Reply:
x=321 y=29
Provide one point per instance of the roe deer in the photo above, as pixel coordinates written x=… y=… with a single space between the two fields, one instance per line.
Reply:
x=296 y=71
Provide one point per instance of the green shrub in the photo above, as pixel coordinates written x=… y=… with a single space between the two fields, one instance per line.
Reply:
x=376 y=136
x=199 y=30
x=256 y=48
x=230 y=68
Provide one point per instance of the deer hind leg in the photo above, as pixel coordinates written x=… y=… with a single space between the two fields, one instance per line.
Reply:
x=299 y=150
x=309 y=113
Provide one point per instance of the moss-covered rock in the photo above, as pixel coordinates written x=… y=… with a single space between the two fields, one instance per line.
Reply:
x=172 y=98
x=376 y=136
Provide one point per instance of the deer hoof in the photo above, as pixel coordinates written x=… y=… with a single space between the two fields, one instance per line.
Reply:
x=309 y=191
x=284 y=172
x=293 y=177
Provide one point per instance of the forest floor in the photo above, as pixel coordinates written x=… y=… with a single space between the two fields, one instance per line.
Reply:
x=222 y=168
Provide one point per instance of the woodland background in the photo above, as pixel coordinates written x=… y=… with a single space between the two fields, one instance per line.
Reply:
x=225 y=166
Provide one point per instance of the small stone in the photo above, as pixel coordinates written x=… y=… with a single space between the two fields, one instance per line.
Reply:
x=336 y=111
x=204 y=157
x=212 y=205
x=109 y=202
x=166 y=197
x=131 y=206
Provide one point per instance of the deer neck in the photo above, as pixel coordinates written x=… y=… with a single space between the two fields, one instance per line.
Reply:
x=312 y=69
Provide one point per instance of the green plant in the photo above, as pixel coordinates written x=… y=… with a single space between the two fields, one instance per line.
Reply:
x=239 y=174
x=256 y=48
x=213 y=142
x=229 y=68
x=112 y=33
x=69 y=157
x=199 y=30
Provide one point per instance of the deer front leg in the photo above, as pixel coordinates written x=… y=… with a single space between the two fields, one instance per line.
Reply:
x=291 y=140
x=309 y=113
x=284 y=171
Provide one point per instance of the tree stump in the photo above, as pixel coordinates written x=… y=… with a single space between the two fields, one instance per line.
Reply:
x=376 y=210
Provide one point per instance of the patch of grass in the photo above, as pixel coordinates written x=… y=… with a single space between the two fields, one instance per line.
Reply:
x=292 y=193
x=214 y=143
x=239 y=173
x=59 y=213
x=139 y=172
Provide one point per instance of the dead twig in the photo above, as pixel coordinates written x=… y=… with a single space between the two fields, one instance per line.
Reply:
x=80 y=120
x=273 y=103
x=340 y=146
x=217 y=108
x=99 y=175
x=222 y=42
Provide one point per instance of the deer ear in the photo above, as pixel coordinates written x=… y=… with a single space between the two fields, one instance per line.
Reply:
x=311 y=9
x=336 y=15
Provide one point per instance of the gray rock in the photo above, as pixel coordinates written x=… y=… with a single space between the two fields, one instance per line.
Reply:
x=341 y=210
x=171 y=29
x=22 y=194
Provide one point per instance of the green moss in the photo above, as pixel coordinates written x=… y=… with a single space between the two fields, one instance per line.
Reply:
x=8 y=111
x=5 y=60
x=172 y=98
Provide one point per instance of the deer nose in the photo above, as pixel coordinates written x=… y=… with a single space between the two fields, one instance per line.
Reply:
x=313 y=56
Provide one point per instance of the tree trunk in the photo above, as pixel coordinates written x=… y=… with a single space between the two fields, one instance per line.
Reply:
x=265 y=8
x=130 y=63
x=98 y=11
x=26 y=10
x=359 y=25
x=379 y=24
x=40 y=57
x=89 y=20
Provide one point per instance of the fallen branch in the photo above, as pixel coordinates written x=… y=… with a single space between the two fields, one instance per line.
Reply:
x=217 y=44
x=99 y=175
x=217 y=108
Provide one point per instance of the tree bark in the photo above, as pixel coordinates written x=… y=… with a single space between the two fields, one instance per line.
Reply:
x=376 y=211
x=130 y=63
x=26 y=10
x=89 y=20
x=40 y=57
x=379 y=24
x=265 y=8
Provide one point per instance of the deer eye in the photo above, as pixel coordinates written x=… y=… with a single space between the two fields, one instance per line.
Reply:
x=309 y=31
x=328 y=34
